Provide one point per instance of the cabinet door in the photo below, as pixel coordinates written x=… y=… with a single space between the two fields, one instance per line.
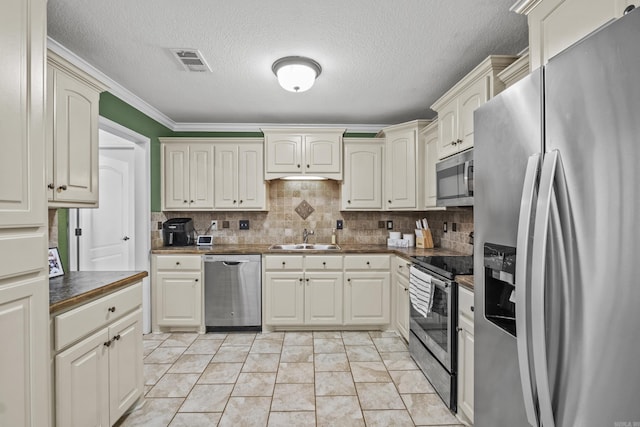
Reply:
x=175 y=194
x=366 y=298
x=179 y=299
x=322 y=154
x=201 y=176
x=323 y=298
x=465 y=367
x=284 y=153
x=284 y=294
x=362 y=185
x=448 y=130
x=76 y=140
x=400 y=175
x=226 y=176
x=401 y=302
x=126 y=382
x=252 y=190
x=50 y=179
x=82 y=383
x=431 y=154
x=469 y=101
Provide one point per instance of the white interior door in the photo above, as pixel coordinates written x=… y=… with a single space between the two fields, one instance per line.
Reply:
x=108 y=232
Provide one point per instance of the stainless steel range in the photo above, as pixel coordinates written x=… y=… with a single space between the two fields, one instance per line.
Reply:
x=433 y=320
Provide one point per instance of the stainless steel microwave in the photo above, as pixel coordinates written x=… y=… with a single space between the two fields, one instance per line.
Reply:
x=454 y=180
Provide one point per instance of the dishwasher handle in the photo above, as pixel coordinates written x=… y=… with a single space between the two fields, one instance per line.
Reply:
x=232 y=263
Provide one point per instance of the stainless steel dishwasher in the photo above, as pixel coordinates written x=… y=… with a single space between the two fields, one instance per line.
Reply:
x=232 y=292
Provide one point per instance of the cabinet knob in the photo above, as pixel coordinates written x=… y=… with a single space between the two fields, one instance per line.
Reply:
x=283 y=263
x=112 y=309
x=368 y=263
x=51 y=186
x=197 y=280
x=190 y=201
x=459 y=329
x=324 y=263
x=307 y=280
x=184 y=201
x=300 y=280
x=298 y=166
x=389 y=201
x=459 y=141
x=308 y=166
x=240 y=201
x=125 y=238
x=234 y=202
x=117 y=337
x=472 y=309
x=349 y=280
x=348 y=201
x=177 y=262
x=62 y=188
x=107 y=344
x=406 y=289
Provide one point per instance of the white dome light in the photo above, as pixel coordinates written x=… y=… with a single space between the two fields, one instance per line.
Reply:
x=296 y=73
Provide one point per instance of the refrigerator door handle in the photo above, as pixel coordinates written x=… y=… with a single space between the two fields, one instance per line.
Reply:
x=538 y=271
x=523 y=267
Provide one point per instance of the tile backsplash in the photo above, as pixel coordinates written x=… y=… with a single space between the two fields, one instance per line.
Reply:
x=282 y=224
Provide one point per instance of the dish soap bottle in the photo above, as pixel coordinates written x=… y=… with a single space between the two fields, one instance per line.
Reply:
x=333 y=236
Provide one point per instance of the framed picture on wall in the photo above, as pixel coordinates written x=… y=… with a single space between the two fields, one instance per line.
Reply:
x=55 y=265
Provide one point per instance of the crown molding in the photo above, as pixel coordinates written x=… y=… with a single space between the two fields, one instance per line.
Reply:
x=144 y=107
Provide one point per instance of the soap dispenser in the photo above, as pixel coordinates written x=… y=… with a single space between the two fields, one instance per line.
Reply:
x=333 y=236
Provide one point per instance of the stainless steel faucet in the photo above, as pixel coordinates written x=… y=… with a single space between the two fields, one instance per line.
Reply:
x=305 y=235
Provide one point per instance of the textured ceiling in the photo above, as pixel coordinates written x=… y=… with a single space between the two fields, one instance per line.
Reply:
x=383 y=61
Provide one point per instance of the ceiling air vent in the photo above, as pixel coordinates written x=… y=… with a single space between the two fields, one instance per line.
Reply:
x=191 y=60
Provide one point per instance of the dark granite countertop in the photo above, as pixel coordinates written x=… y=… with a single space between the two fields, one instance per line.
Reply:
x=466 y=281
x=78 y=287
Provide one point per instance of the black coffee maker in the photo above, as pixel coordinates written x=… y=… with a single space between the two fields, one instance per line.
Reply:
x=178 y=232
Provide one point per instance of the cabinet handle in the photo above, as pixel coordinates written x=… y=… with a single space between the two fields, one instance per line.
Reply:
x=125 y=238
x=116 y=338
x=459 y=141
x=112 y=309
x=51 y=186
x=62 y=188
x=628 y=9
x=107 y=344
x=406 y=289
x=459 y=329
x=298 y=166
x=472 y=308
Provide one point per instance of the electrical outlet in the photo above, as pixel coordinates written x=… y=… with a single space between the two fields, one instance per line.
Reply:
x=244 y=224
x=214 y=225
x=453 y=226
x=159 y=225
x=389 y=225
x=339 y=224
x=444 y=227
x=225 y=224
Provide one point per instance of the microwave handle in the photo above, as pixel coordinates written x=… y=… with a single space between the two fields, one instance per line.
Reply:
x=468 y=171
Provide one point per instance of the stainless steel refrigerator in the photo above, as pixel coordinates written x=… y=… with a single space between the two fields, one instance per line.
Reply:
x=557 y=254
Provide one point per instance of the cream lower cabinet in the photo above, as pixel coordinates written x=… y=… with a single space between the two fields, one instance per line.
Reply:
x=239 y=175
x=465 y=353
x=187 y=174
x=178 y=293
x=367 y=290
x=362 y=184
x=401 y=303
x=100 y=377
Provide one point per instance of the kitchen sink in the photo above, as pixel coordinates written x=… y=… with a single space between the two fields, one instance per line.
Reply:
x=305 y=247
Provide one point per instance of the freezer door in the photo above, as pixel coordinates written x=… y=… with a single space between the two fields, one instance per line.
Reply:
x=593 y=98
x=508 y=131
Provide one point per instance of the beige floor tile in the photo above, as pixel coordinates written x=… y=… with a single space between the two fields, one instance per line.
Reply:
x=379 y=396
x=204 y=347
x=231 y=354
x=331 y=362
x=213 y=336
x=382 y=334
x=388 y=418
x=292 y=419
x=428 y=409
x=270 y=336
x=390 y=344
x=327 y=334
x=255 y=384
x=328 y=345
x=173 y=385
x=190 y=364
x=297 y=354
x=156 y=336
x=369 y=372
x=356 y=338
x=208 y=419
x=338 y=411
x=147 y=388
x=239 y=339
x=293 y=397
x=266 y=346
x=179 y=340
x=298 y=338
x=246 y=411
x=207 y=398
x=295 y=373
x=154 y=413
x=149 y=345
x=220 y=373
x=398 y=361
x=164 y=355
x=411 y=382
x=334 y=384
x=154 y=371
x=362 y=353
x=258 y=362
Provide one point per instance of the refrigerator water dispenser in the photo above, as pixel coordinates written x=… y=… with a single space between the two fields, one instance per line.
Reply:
x=499 y=295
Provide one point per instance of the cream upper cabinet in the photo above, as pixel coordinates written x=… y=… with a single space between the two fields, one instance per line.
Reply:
x=362 y=184
x=455 y=108
x=290 y=152
x=516 y=71
x=404 y=169
x=187 y=174
x=429 y=137
x=239 y=177
x=465 y=354
x=72 y=135
x=554 y=25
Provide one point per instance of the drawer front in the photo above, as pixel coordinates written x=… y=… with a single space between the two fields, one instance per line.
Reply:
x=77 y=323
x=367 y=262
x=465 y=302
x=401 y=266
x=323 y=262
x=283 y=262
x=178 y=262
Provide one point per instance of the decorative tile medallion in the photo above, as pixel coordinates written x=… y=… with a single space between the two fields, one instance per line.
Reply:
x=304 y=209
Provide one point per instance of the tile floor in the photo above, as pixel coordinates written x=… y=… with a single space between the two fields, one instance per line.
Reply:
x=285 y=379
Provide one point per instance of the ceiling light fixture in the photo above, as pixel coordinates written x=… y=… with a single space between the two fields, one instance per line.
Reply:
x=296 y=73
